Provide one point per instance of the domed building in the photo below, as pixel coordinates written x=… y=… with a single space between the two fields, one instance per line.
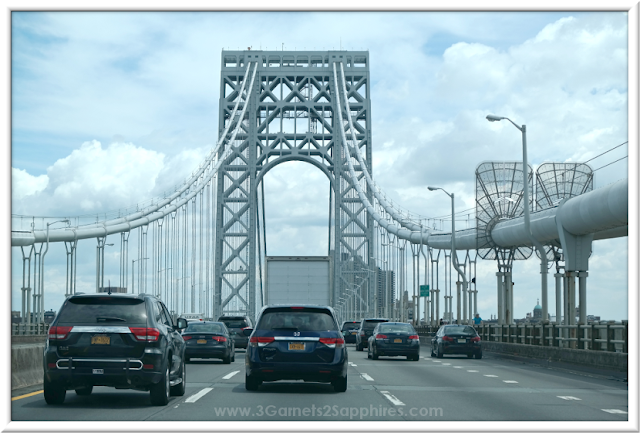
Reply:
x=537 y=311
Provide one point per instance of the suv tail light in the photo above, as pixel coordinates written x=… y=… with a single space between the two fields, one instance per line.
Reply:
x=219 y=339
x=145 y=334
x=59 y=332
x=475 y=339
x=261 y=341
x=381 y=337
x=332 y=342
x=362 y=333
x=414 y=337
x=447 y=338
x=187 y=337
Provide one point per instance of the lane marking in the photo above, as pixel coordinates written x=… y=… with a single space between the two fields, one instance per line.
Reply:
x=196 y=397
x=435 y=360
x=510 y=381
x=230 y=375
x=457 y=366
x=366 y=376
x=392 y=398
x=472 y=371
x=568 y=397
x=352 y=364
x=614 y=411
x=446 y=363
x=490 y=375
x=26 y=395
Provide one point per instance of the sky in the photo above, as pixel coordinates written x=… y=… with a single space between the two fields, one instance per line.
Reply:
x=110 y=109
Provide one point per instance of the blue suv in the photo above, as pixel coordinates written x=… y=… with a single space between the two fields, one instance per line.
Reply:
x=296 y=342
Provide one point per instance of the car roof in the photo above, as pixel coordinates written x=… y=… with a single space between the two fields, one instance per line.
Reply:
x=113 y=295
x=376 y=318
x=397 y=323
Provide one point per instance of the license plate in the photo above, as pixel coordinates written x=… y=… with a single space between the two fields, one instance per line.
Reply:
x=100 y=339
x=355 y=333
x=98 y=371
x=202 y=341
x=462 y=340
x=398 y=340
x=296 y=346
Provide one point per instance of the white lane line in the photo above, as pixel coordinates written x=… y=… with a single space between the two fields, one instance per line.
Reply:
x=614 y=411
x=435 y=360
x=490 y=375
x=445 y=363
x=509 y=381
x=195 y=397
x=472 y=371
x=230 y=375
x=366 y=376
x=457 y=366
x=392 y=398
x=568 y=397
x=352 y=364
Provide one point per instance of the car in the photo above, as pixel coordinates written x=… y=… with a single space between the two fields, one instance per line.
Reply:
x=394 y=339
x=365 y=331
x=456 y=339
x=123 y=341
x=209 y=340
x=236 y=324
x=296 y=342
x=349 y=330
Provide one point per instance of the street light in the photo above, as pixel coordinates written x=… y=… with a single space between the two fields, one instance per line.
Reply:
x=527 y=220
x=40 y=313
x=454 y=255
x=165 y=280
x=133 y=272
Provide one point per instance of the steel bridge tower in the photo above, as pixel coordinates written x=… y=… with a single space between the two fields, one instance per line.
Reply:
x=291 y=100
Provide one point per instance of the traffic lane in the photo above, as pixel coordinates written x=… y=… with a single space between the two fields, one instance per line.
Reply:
x=485 y=390
x=109 y=404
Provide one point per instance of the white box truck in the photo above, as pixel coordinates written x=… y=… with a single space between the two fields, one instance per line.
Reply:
x=298 y=280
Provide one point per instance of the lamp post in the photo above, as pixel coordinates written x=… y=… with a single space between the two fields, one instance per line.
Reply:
x=165 y=281
x=454 y=255
x=133 y=273
x=40 y=314
x=527 y=220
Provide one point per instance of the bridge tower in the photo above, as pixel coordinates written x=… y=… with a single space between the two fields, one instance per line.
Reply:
x=291 y=101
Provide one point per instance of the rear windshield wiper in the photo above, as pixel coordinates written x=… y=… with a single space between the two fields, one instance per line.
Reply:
x=110 y=319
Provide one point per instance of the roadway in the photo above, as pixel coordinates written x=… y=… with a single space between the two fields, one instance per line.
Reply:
x=450 y=389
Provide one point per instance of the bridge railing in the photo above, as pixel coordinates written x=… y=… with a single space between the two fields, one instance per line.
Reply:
x=29 y=329
x=602 y=336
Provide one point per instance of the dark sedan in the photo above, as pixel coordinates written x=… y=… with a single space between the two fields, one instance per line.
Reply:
x=456 y=340
x=349 y=331
x=365 y=331
x=209 y=340
x=394 y=339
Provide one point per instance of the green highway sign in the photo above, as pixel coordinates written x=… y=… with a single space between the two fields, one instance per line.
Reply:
x=424 y=291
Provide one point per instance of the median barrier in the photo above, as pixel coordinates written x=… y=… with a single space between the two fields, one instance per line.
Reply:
x=26 y=365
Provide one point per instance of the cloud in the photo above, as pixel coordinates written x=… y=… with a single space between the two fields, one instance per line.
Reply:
x=23 y=184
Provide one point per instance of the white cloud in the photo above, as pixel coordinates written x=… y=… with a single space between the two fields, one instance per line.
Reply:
x=23 y=184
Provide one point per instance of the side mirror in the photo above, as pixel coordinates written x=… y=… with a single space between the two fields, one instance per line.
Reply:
x=182 y=323
x=247 y=331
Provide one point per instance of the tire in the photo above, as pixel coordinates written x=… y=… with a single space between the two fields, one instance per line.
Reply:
x=340 y=385
x=369 y=353
x=187 y=359
x=160 y=391
x=359 y=348
x=233 y=356
x=54 y=393
x=85 y=390
x=413 y=357
x=227 y=359
x=479 y=355
x=374 y=353
x=433 y=355
x=251 y=383
x=469 y=355
x=438 y=353
x=179 y=389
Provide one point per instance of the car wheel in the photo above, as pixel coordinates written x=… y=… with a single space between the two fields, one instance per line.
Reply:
x=369 y=353
x=160 y=391
x=53 y=393
x=469 y=355
x=251 y=383
x=85 y=390
x=187 y=359
x=413 y=358
x=479 y=355
x=433 y=355
x=227 y=359
x=233 y=356
x=359 y=348
x=374 y=353
x=340 y=384
x=180 y=388
x=438 y=353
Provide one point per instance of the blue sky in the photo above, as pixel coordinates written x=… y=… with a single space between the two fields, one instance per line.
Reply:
x=112 y=108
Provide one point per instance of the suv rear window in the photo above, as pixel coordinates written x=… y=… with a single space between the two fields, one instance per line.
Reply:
x=105 y=310
x=349 y=326
x=204 y=327
x=287 y=319
x=370 y=324
x=397 y=327
x=459 y=330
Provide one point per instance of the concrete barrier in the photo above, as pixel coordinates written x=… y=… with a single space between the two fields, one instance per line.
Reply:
x=26 y=365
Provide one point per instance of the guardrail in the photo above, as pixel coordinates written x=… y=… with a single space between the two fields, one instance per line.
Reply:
x=29 y=329
x=599 y=336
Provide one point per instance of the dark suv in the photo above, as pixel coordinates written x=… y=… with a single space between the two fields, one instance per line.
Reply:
x=236 y=324
x=365 y=331
x=117 y=340
x=296 y=343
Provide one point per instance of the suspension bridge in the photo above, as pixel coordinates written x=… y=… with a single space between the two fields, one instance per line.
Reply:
x=202 y=247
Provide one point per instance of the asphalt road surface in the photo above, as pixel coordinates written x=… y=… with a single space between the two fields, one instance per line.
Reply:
x=391 y=389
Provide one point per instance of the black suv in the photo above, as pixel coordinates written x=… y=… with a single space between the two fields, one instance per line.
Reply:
x=366 y=331
x=236 y=324
x=117 y=340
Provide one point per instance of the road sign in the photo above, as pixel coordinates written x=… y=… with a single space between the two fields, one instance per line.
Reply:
x=424 y=291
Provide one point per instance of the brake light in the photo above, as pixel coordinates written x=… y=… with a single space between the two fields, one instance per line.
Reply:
x=381 y=337
x=332 y=342
x=447 y=338
x=261 y=341
x=187 y=337
x=414 y=337
x=59 y=332
x=219 y=338
x=145 y=334
x=475 y=339
x=297 y=308
x=362 y=333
